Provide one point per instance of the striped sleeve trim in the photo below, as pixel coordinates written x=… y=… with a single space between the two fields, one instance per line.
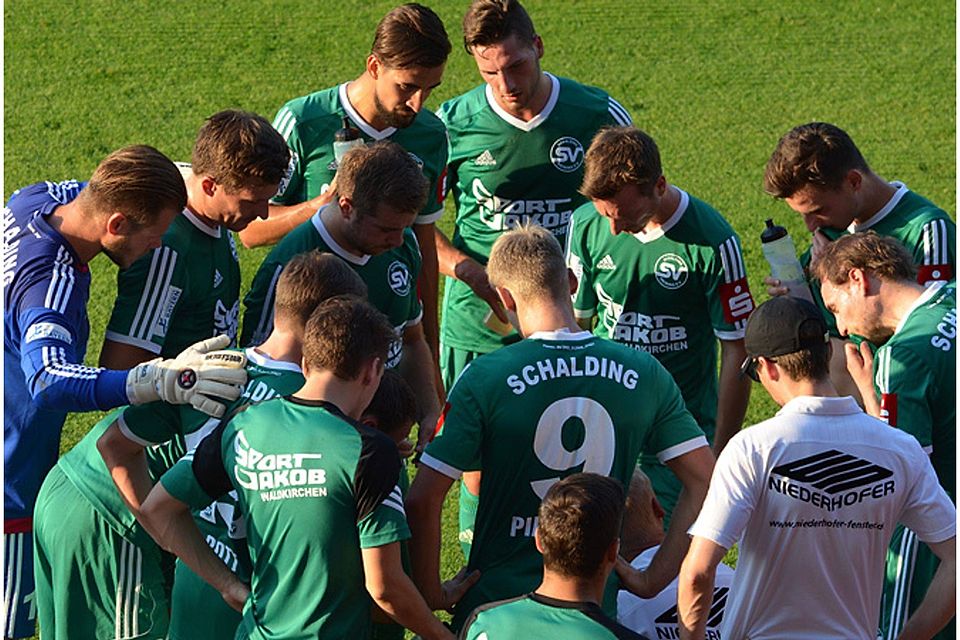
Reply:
x=395 y=500
x=441 y=467
x=678 y=450
x=285 y=122
x=882 y=378
x=113 y=336
x=56 y=368
x=620 y=115
x=731 y=260
x=935 y=238
x=429 y=218
x=731 y=335
x=265 y=323
x=162 y=265
x=61 y=282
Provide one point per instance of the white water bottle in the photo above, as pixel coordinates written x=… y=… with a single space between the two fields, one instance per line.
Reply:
x=345 y=139
x=781 y=254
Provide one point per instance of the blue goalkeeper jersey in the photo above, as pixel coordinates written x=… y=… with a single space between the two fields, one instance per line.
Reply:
x=45 y=291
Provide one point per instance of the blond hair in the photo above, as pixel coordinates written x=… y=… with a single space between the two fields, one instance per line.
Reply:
x=529 y=262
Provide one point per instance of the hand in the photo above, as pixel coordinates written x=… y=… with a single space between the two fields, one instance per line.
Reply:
x=633 y=579
x=236 y=595
x=406 y=448
x=454 y=588
x=775 y=288
x=860 y=365
x=199 y=374
x=428 y=426
x=474 y=276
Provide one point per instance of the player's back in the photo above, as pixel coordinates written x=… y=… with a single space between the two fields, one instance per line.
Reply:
x=554 y=404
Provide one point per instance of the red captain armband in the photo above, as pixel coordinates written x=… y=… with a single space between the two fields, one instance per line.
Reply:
x=18 y=525
x=932 y=272
x=888 y=408
x=441 y=420
x=736 y=300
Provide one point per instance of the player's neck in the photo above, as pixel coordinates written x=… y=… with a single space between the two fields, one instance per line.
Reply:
x=282 y=346
x=876 y=194
x=545 y=315
x=896 y=299
x=74 y=225
x=572 y=589
x=362 y=96
x=332 y=219
x=346 y=395
x=633 y=546
x=665 y=210
x=196 y=198
x=536 y=104
x=788 y=389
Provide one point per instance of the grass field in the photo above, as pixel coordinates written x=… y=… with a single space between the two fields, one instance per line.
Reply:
x=716 y=83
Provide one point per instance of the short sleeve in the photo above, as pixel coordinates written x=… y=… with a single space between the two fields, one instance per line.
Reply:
x=732 y=496
x=456 y=446
x=148 y=293
x=675 y=431
x=727 y=291
x=928 y=510
x=935 y=252
x=903 y=381
x=150 y=423
x=381 y=518
x=436 y=173
x=258 y=303
x=291 y=189
x=578 y=261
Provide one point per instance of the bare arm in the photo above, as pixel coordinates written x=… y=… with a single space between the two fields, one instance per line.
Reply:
x=940 y=603
x=695 y=587
x=456 y=264
x=117 y=355
x=429 y=285
x=127 y=463
x=419 y=370
x=423 y=505
x=734 y=393
x=393 y=592
x=281 y=220
x=859 y=363
x=693 y=469
x=171 y=524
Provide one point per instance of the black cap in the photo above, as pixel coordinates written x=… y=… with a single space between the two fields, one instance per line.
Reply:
x=784 y=325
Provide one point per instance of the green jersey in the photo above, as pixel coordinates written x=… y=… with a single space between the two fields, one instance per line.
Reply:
x=154 y=424
x=923 y=228
x=534 y=412
x=671 y=292
x=314 y=487
x=185 y=291
x=505 y=172
x=309 y=123
x=916 y=376
x=391 y=279
x=537 y=616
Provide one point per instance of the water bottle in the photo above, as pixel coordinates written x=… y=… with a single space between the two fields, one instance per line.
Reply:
x=345 y=139
x=781 y=254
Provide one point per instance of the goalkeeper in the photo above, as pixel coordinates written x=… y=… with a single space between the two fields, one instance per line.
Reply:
x=51 y=233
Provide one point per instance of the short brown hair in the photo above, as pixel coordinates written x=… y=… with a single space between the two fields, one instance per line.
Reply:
x=807 y=364
x=344 y=335
x=579 y=518
x=528 y=260
x=394 y=406
x=817 y=153
x=411 y=35
x=240 y=149
x=139 y=181
x=382 y=173
x=882 y=256
x=617 y=157
x=308 y=279
x=490 y=22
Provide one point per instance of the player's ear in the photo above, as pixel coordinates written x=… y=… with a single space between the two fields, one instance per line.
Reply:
x=118 y=224
x=660 y=186
x=507 y=299
x=346 y=206
x=208 y=185
x=536 y=540
x=572 y=278
x=373 y=66
x=538 y=46
x=854 y=178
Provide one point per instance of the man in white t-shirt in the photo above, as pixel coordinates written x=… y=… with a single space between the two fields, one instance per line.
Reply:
x=642 y=534
x=812 y=497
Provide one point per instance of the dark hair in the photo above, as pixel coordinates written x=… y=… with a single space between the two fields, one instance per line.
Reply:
x=308 y=279
x=240 y=149
x=882 y=256
x=344 y=335
x=490 y=22
x=394 y=406
x=617 y=157
x=411 y=35
x=817 y=154
x=382 y=173
x=812 y=363
x=580 y=518
x=138 y=181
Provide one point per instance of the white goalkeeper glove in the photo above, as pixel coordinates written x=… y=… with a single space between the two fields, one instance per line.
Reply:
x=200 y=376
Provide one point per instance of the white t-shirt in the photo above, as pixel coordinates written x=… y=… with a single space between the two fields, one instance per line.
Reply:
x=657 y=617
x=813 y=495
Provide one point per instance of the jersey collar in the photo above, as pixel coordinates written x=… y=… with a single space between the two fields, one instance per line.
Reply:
x=671 y=222
x=538 y=119
x=263 y=360
x=195 y=221
x=330 y=242
x=358 y=119
x=924 y=298
x=887 y=208
x=561 y=335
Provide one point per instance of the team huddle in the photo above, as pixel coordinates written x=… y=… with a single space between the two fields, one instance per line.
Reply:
x=586 y=383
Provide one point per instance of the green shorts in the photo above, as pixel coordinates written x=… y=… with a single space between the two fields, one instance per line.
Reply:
x=452 y=362
x=91 y=581
x=197 y=610
x=909 y=570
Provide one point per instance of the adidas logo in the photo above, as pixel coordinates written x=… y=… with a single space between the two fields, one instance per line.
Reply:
x=217 y=278
x=832 y=480
x=606 y=263
x=485 y=159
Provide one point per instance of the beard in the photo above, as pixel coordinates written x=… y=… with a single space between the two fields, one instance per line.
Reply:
x=400 y=117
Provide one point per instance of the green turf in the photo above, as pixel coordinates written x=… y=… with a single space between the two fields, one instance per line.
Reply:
x=716 y=83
